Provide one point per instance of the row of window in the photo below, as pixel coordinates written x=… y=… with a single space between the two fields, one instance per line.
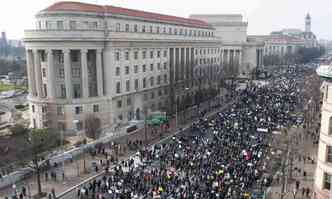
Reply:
x=162 y=30
x=144 y=83
x=136 y=54
x=136 y=69
x=60 y=109
x=143 y=56
x=74 y=25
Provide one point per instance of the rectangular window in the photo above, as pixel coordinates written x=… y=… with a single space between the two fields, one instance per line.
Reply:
x=143 y=68
x=158 y=53
x=59 y=25
x=165 y=79
x=45 y=90
x=160 y=93
x=135 y=69
x=152 y=95
x=135 y=28
x=44 y=72
x=63 y=91
x=151 y=67
x=327 y=181
x=143 y=28
x=145 y=96
x=119 y=103
x=78 y=110
x=62 y=73
x=117 y=71
x=117 y=56
x=118 y=27
x=158 y=79
x=144 y=54
x=144 y=82
x=165 y=66
x=152 y=81
x=135 y=55
x=127 y=27
x=77 y=90
x=95 y=108
x=158 y=29
x=72 y=25
x=136 y=84
x=151 y=29
x=59 y=110
x=128 y=101
x=44 y=109
x=128 y=85
x=165 y=53
x=159 y=66
x=74 y=55
x=33 y=108
x=151 y=54
x=76 y=72
x=127 y=70
x=118 y=87
x=127 y=55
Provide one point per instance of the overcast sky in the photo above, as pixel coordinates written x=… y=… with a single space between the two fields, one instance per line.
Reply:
x=263 y=16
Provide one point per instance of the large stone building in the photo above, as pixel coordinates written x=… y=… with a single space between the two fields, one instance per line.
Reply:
x=323 y=175
x=113 y=63
x=233 y=31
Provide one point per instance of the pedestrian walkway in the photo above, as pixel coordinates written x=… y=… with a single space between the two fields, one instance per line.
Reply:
x=304 y=166
x=74 y=170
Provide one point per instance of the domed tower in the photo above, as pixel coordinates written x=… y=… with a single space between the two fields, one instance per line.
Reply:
x=308 y=23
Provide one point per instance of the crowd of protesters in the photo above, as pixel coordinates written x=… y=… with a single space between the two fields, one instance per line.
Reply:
x=218 y=157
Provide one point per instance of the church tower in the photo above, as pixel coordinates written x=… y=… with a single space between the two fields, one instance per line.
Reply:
x=308 y=23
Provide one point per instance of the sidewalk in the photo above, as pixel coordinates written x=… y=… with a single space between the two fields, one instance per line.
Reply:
x=301 y=164
x=74 y=170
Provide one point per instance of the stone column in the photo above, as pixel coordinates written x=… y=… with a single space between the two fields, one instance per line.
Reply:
x=240 y=58
x=262 y=57
x=175 y=67
x=99 y=70
x=221 y=57
x=30 y=72
x=38 y=73
x=50 y=74
x=184 y=63
x=228 y=60
x=85 y=73
x=68 y=76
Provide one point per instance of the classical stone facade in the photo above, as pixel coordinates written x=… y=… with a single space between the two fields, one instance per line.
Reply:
x=323 y=175
x=116 y=64
x=233 y=31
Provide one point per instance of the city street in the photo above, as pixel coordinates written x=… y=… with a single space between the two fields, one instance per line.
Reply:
x=74 y=171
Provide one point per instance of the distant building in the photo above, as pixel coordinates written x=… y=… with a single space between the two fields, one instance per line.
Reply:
x=117 y=63
x=233 y=31
x=307 y=35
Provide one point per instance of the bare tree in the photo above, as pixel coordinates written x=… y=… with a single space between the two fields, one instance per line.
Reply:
x=38 y=142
